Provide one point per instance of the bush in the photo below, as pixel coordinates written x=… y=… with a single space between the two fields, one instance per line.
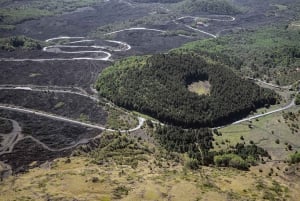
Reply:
x=193 y=164
x=231 y=160
x=295 y=158
x=297 y=100
x=120 y=191
x=11 y=43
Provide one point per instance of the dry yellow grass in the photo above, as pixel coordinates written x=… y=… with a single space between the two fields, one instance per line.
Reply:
x=74 y=180
x=200 y=88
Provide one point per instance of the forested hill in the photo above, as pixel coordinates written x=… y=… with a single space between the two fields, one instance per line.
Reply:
x=271 y=51
x=157 y=86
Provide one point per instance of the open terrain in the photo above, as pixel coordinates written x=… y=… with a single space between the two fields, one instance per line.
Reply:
x=62 y=140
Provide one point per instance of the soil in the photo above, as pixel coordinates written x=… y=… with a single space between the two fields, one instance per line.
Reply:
x=59 y=73
x=5 y=126
x=79 y=23
x=68 y=105
x=55 y=134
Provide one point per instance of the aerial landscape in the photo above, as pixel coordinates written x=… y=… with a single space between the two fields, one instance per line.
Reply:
x=175 y=100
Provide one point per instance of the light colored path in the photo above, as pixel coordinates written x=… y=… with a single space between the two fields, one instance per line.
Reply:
x=227 y=18
x=270 y=84
x=63 y=91
x=11 y=139
x=291 y=104
x=135 y=29
x=105 y=55
x=15 y=136
x=65 y=119
x=201 y=31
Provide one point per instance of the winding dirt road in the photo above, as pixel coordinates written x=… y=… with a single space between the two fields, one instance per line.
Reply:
x=135 y=29
x=291 y=104
x=16 y=136
x=270 y=84
x=10 y=140
x=63 y=91
x=60 y=118
x=105 y=55
x=227 y=18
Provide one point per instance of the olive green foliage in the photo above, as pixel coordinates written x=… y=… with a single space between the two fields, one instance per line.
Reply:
x=12 y=16
x=195 y=142
x=295 y=158
x=231 y=160
x=120 y=191
x=117 y=148
x=157 y=86
x=240 y=157
x=297 y=100
x=14 y=42
x=272 y=51
x=209 y=6
x=28 y=10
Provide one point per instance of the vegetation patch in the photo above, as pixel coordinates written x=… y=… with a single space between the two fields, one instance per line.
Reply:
x=157 y=86
x=267 y=53
x=16 y=13
x=14 y=42
x=114 y=148
x=118 y=119
x=297 y=100
x=209 y=6
x=240 y=156
x=195 y=142
x=295 y=158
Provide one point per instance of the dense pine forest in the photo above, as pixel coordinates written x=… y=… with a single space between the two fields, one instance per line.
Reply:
x=157 y=86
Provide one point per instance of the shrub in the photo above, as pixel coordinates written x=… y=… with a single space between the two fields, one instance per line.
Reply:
x=295 y=158
x=231 y=160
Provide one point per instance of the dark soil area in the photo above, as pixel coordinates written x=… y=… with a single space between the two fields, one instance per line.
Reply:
x=55 y=134
x=63 y=104
x=28 y=151
x=60 y=73
x=39 y=54
x=79 y=23
x=149 y=42
x=5 y=126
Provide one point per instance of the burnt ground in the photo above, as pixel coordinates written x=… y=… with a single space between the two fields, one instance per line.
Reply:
x=5 y=126
x=149 y=42
x=79 y=23
x=63 y=104
x=55 y=134
x=27 y=152
x=59 y=73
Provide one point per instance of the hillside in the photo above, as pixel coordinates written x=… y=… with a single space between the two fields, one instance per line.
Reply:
x=157 y=86
x=270 y=53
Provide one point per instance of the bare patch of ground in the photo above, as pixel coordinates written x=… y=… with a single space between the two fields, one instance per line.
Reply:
x=200 y=88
